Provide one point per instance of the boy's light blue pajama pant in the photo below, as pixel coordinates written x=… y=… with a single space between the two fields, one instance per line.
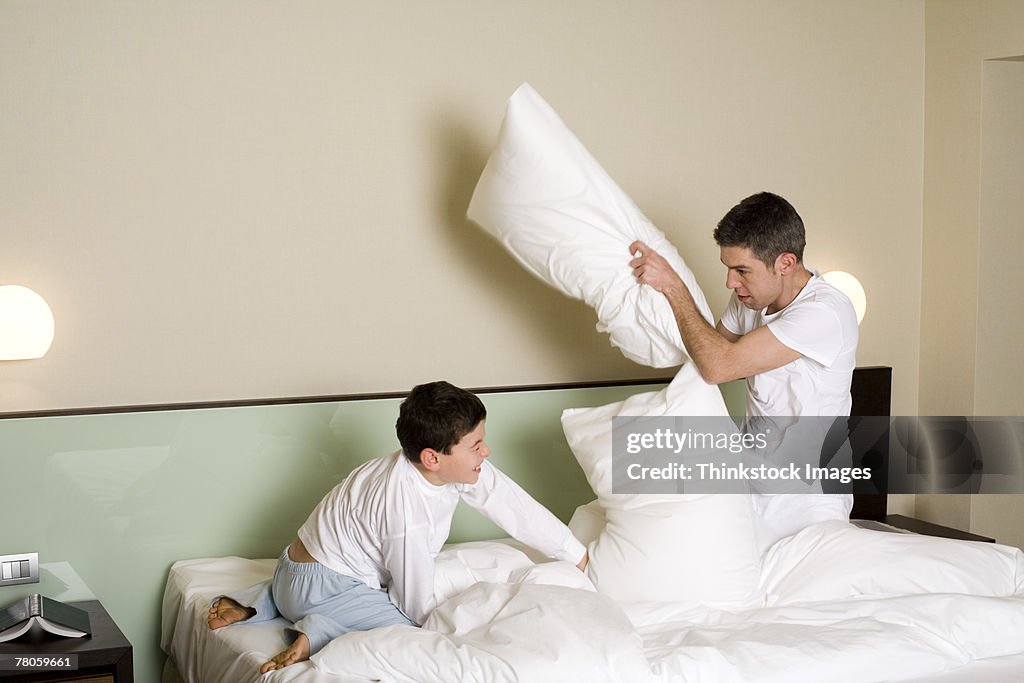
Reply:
x=319 y=602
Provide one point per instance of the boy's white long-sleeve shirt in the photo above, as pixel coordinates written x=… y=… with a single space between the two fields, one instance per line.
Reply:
x=385 y=523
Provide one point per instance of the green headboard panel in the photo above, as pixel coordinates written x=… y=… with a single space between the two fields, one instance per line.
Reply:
x=121 y=496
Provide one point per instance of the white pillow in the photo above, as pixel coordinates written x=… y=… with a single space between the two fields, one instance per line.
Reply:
x=588 y=521
x=698 y=548
x=835 y=561
x=553 y=207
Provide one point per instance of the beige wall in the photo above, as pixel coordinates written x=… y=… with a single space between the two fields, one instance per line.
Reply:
x=1000 y=375
x=963 y=357
x=231 y=200
x=226 y=200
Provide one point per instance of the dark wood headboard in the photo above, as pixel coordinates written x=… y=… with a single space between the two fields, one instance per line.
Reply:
x=871 y=391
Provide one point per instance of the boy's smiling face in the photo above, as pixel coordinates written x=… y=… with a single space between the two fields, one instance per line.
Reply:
x=462 y=465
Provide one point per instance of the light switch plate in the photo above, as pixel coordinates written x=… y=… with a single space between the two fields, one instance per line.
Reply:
x=19 y=568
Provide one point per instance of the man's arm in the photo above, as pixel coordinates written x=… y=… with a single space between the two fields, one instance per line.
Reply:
x=719 y=355
x=728 y=334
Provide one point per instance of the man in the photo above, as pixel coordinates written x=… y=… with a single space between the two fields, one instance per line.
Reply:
x=786 y=330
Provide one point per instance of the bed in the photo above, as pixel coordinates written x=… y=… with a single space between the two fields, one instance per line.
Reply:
x=558 y=630
x=835 y=602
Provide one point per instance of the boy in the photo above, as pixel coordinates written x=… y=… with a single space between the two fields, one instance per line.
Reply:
x=381 y=528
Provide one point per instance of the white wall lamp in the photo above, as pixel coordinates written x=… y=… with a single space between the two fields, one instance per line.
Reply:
x=848 y=285
x=26 y=324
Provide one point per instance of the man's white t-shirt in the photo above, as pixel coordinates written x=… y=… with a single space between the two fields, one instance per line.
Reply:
x=821 y=325
x=385 y=524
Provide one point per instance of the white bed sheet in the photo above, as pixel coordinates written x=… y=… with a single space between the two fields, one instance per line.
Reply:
x=857 y=639
x=227 y=655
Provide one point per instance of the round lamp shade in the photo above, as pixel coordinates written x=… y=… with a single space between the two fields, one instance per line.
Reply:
x=848 y=285
x=26 y=324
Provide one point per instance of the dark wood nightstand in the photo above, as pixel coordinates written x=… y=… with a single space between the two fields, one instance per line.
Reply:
x=928 y=529
x=106 y=657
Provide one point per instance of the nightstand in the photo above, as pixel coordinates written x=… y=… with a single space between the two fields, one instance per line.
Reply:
x=909 y=525
x=928 y=529
x=106 y=657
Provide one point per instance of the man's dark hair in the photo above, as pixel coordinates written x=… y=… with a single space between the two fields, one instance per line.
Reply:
x=436 y=415
x=766 y=224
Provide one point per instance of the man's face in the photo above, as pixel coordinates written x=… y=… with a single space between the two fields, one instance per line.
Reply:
x=756 y=285
x=462 y=465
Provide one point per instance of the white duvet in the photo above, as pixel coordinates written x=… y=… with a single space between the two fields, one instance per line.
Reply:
x=500 y=633
x=845 y=604
x=822 y=626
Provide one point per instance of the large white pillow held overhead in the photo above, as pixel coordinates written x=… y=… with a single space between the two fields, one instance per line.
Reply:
x=553 y=207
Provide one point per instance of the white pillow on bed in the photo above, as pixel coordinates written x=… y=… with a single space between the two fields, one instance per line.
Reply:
x=588 y=521
x=553 y=207
x=697 y=548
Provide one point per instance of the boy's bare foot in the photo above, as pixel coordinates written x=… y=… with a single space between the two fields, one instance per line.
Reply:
x=226 y=611
x=296 y=652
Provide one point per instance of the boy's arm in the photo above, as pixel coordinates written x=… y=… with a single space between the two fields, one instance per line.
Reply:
x=407 y=558
x=506 y=504
x=582 y=564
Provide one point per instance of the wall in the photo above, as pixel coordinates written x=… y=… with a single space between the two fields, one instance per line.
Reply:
x=233 y=200
x=964 y=368
x=999 y=375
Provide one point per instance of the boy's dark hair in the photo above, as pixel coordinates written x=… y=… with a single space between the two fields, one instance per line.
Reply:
x=436 y=415
x=766 y=224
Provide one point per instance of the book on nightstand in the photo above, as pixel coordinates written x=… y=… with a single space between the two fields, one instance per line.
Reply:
x=51 y=616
